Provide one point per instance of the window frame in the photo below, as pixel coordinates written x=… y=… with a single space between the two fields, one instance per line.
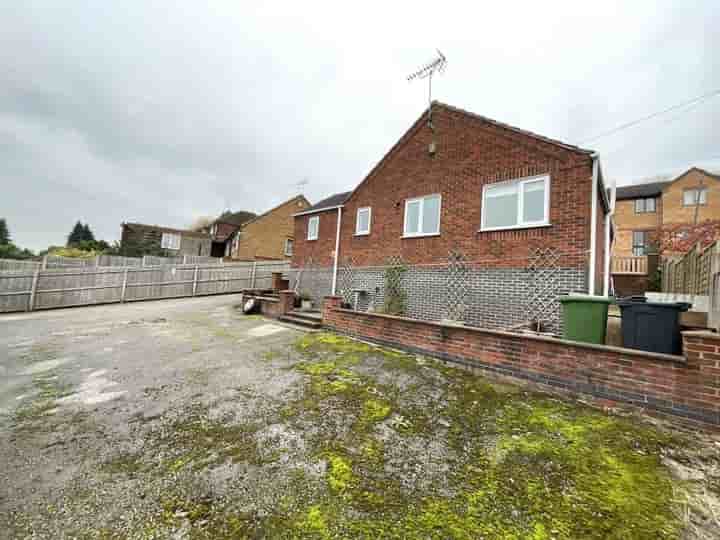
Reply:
x=167 y=245
x=645 y=244
x=545 y=222
x=313 y=219
x=645 y=205
x=421 y=200
x=700 y=190
x=358 y=232
x=289 y=253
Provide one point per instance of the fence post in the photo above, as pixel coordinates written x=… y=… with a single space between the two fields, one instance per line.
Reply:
x=43 y=265
x=195 y=276
x=184 y=259
x=33 y=290
x=124 y=286
x=252 y=276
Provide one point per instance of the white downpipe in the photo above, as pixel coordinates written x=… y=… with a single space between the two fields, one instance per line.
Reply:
x=593 y=224
x=608 y=245
x=337 y=250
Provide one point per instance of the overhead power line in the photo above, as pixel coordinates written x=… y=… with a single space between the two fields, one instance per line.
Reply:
x=694 y=101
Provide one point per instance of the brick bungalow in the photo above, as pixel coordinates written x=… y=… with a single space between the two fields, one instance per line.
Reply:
x=269 y=236
x=140 y=239
x=496 y=193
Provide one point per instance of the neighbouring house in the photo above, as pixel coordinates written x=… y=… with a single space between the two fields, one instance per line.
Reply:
x=223 y=227
x=139 y=239
x=514 y=207
x=269 y=236
x=662 y=219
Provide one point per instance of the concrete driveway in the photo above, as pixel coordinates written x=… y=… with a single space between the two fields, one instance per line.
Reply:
x=186 y=419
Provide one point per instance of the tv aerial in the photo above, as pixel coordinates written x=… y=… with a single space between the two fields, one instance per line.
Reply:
x=436 y=65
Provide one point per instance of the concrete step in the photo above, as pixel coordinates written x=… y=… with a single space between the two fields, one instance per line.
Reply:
x=309 y=315
x=301 y=321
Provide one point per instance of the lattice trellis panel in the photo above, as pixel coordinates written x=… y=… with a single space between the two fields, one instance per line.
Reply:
x=395 y=298
x=543 y=285
x=346 y=279
x=456 y=286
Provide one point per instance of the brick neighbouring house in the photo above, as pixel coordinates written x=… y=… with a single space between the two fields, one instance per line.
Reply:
x=475 y=159
x=660 y=219
x=223 y=227
x=269 y=236
x=152 y=238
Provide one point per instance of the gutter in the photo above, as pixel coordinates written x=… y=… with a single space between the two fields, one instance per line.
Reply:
x=317 y=210
x=337 y=249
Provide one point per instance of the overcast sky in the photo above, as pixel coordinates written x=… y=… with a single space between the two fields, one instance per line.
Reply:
x=160 y=112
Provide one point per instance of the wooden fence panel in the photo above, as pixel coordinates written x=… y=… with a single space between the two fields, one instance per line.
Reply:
x=12 y=265
x=57 y=287
x=15 y=291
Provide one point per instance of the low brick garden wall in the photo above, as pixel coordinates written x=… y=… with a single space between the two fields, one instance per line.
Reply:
x=684 y=387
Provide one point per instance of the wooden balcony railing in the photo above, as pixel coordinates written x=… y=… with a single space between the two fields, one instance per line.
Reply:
x=630 y=264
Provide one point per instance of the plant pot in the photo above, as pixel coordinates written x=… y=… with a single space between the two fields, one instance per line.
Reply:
x=306 y=305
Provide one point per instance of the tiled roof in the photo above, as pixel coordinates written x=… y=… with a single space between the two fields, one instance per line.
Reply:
x=653 y=189
x=329 y=202
x=158 y=228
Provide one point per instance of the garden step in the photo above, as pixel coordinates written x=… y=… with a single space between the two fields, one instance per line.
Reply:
x=301 y=321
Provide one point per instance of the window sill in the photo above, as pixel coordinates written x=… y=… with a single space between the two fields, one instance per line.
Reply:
x=312 y=239
x=404 y=236
x=362 y=234
x=515 y=227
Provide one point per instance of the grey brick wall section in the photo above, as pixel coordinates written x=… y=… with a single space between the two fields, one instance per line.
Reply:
x=496 y=297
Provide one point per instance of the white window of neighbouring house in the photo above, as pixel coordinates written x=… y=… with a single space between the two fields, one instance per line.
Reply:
x=516 y=204
x=640 y=242
x=170 y=241
x=694 y=196
x=288 y=247
x=422 y=216
x=313 y=228
x=362 y=221
x=644 y=206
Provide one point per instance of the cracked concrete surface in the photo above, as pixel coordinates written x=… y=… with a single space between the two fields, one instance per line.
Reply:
x=186 y=419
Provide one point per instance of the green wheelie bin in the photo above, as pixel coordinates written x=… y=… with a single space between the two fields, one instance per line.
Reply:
x=585 y=317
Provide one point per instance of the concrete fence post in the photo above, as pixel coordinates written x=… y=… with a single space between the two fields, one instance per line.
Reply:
x=124 y=286
x=252 y=275
x=184 y=259
x=195 y=279
x=143 y=260
x=43 y=265
x=33 y=290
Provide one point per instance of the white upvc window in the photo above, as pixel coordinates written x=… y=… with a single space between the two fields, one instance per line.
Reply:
x=422 y=216
x=288 y=247
x=516 y=204
x=313 y=228
x=170 y=241
x=644 y=206
x=362 y=221
x=694 y=196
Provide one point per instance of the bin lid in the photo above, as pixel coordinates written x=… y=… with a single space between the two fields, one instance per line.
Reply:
x=577 y=297
x=680 y=306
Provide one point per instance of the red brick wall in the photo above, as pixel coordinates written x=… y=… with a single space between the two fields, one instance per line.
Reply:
x=321 y=250
x=470 y=153
x=684 y=388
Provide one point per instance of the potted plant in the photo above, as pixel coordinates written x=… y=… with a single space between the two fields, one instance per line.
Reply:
x=306 y=303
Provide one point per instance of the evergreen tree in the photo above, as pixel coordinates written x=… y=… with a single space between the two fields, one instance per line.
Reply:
x=4 y=233
x=77 y=235
x=87 y=235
